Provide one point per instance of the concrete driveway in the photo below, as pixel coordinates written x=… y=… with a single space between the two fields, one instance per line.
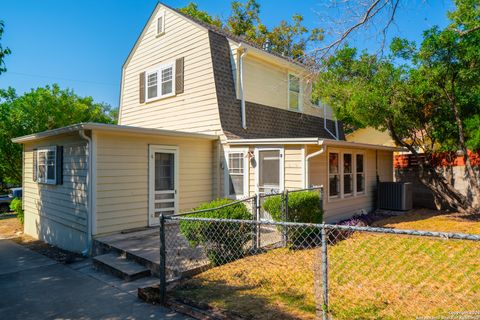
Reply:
x=33 y=286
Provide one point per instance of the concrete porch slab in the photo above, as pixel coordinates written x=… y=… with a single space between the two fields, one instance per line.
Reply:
x=144 y=247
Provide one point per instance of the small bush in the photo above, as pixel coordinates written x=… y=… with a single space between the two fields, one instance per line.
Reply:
x=224 y=242
x=16 y=206
x=303 y=206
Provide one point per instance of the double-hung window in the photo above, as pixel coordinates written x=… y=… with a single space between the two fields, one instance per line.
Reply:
x=347 y=174
x=294 y=102
x=333 y=175
x=160 y=82
x=236 y=170
x=360 y=173
x=46 y=165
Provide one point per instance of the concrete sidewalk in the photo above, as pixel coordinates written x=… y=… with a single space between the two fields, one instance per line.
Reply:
x=33 y=286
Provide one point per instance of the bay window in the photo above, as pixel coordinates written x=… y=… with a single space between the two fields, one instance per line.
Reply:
x=360 y=173
x=347 y=174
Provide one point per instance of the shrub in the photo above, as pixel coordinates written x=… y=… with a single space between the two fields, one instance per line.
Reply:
x=16 y=206
x=224 y=242
x=303 y=206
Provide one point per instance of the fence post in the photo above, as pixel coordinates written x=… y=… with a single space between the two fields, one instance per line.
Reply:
x=255 y=244
x=324 y=273
x=286 y=217
x=162 y=271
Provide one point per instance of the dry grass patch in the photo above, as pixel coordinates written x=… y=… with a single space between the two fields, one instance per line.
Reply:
x=372 y=276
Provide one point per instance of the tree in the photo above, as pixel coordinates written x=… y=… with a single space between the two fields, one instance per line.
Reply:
x=192 y=10
x=39 y=110
x=3 y=52
x=287 y=38
x=428 y=98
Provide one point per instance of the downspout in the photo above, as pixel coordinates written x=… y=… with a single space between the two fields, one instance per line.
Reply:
x=307 y=164
x=335 y=136
x=88 y=204
x=242 y=94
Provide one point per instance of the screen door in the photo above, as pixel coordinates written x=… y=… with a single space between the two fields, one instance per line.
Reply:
x=163 y=182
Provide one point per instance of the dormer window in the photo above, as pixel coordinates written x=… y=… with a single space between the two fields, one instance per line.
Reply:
x=294 y=102
x=161 y=24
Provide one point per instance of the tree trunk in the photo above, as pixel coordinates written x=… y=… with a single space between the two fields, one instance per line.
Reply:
x=443 y=190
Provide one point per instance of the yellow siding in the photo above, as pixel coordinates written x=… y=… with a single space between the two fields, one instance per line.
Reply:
x=293 y=167
x=267 y=83
x=122 y=177
x=338 y=209
x=57 y=213
x=371 y=136
x=195 y=110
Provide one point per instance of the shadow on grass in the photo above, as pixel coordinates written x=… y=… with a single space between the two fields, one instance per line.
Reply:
x=245 y=301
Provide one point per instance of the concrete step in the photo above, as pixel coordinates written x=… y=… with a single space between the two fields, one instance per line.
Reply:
x=120 y=266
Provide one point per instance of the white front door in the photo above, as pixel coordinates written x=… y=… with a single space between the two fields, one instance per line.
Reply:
x=163 y=182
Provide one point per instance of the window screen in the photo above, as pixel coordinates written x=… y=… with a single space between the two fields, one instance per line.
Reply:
x=269 y=170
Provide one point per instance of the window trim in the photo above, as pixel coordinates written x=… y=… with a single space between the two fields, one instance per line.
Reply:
x=300 y=95
x=342 y=182
x=246 y=172
x=354 y=193
x=45 y=180
x=364 y=172
x=161 y=15
x=158 y=69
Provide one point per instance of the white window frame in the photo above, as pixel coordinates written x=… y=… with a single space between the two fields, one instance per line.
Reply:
x=342 y=183
x=300 y=95
x=364 y=172
x=44 y=151
x=158 y=70
x=246 y=172
x=162 y=32
x=282 y=167
x=339 y=174
x=354 y=193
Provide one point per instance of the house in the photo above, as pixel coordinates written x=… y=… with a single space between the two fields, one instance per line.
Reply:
x=372 y=136
x=203 y=115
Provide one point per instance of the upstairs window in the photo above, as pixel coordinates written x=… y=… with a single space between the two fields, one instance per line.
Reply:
x=294 y=93
x=161 y=24
x=160 y=82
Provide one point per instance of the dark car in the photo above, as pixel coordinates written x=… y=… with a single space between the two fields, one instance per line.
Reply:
x=5 y=200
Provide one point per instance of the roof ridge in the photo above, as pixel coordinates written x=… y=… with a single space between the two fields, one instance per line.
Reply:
x=231 y=36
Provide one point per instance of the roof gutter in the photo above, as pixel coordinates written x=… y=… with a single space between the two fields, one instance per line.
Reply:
x=242 y=88
x=89 y=200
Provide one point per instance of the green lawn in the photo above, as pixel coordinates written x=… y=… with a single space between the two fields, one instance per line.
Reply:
x=372 y=276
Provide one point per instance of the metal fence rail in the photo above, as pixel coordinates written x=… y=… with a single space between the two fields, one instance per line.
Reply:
x=322 y=270
x=309 y=270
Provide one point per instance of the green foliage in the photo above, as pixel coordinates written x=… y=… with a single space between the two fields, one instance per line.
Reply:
x=3 y=52
x=39 y=110
x=287 y=38
x=224 y=242
x=303 y=206
x=413 y=92
x=16 y=206
x=192 y=10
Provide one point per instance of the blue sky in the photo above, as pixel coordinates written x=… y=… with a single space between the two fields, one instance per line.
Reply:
x=83 y=44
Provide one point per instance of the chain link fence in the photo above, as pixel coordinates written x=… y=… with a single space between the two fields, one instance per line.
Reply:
x=261 y=269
